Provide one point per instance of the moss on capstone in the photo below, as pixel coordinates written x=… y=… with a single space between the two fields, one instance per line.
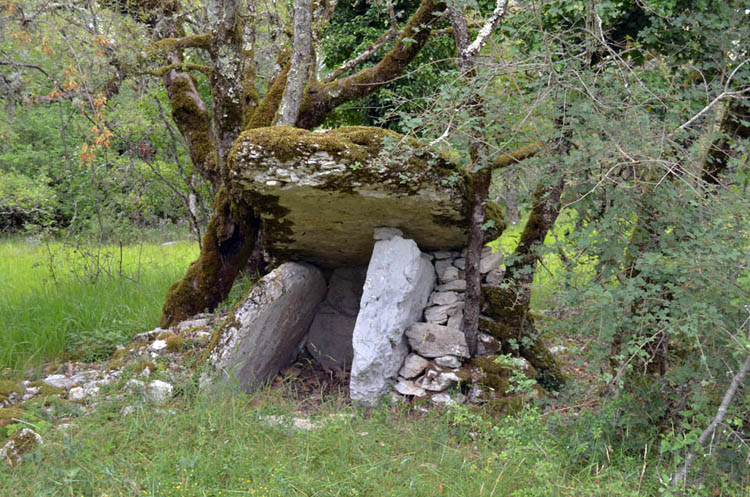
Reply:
x=355 y=147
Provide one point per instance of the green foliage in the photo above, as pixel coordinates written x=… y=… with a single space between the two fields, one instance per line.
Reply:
x=55 y=309
x=353 y=28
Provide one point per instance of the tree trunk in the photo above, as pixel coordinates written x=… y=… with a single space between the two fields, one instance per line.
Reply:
x=299 y=71
x=507 y=305
x=228 y=244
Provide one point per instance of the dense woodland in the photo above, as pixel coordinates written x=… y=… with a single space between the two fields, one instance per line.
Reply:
x=605 y=145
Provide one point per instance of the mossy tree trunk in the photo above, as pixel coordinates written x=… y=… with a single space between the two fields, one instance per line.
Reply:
x=735 y=126
x=507 y=305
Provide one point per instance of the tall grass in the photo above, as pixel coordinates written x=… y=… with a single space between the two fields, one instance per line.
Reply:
x=225 y=445
x=56 y=299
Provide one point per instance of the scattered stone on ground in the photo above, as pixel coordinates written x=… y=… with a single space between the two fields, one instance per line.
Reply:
x=25 y=441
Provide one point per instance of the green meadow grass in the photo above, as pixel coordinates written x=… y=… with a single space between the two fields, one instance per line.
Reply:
x=54 y=303
x=224 y=445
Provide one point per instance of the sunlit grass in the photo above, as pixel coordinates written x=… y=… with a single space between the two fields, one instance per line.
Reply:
x=55 y=299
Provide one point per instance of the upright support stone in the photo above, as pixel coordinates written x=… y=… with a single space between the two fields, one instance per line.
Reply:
x=262 y=335
x=398 y=285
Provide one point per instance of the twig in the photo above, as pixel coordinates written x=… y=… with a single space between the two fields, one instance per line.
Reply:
x=709 y=431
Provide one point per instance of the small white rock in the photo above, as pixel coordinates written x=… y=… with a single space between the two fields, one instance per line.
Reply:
x=406 y=387
x=413 y=366
x=76 y=394
x=60 y=381
x=443 y=298
x=127 y=411
x=490 y=262
x=158 y=345
x=448 y=361
x=159 y=391
x=558 y=349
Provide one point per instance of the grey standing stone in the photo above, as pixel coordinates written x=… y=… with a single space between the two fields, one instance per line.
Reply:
x=263 y=333
x=399 y=282
x=434 y=340
x=330 y=337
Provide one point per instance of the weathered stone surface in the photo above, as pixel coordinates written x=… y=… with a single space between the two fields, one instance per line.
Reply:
x=442 y=254
x=386 y=233
x=60 y=381
x=490 y=262
x=453 y=286
x=448 y=361
x=441 y=313
x=437 y=381
x=495 y=276
x=76 y=394
x=330 y=337
x=399 y=282
x=159 y=391
x=406 y=387
x=413 y=366
x=434 y=340
x=321 y=195
x=23 y=442
x=456 y=321
x=263 y=333
x=444 y=298
x=460 y=263
x=448 y=274
x=445 y=398
x=487 y=344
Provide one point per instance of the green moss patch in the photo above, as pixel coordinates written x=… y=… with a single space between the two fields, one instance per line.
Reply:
x=8 y=387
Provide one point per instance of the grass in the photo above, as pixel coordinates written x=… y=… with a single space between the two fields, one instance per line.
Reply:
x=57 y=300
x=223 y=445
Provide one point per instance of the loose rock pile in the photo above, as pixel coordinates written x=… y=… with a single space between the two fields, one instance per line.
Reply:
x=438 y=346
